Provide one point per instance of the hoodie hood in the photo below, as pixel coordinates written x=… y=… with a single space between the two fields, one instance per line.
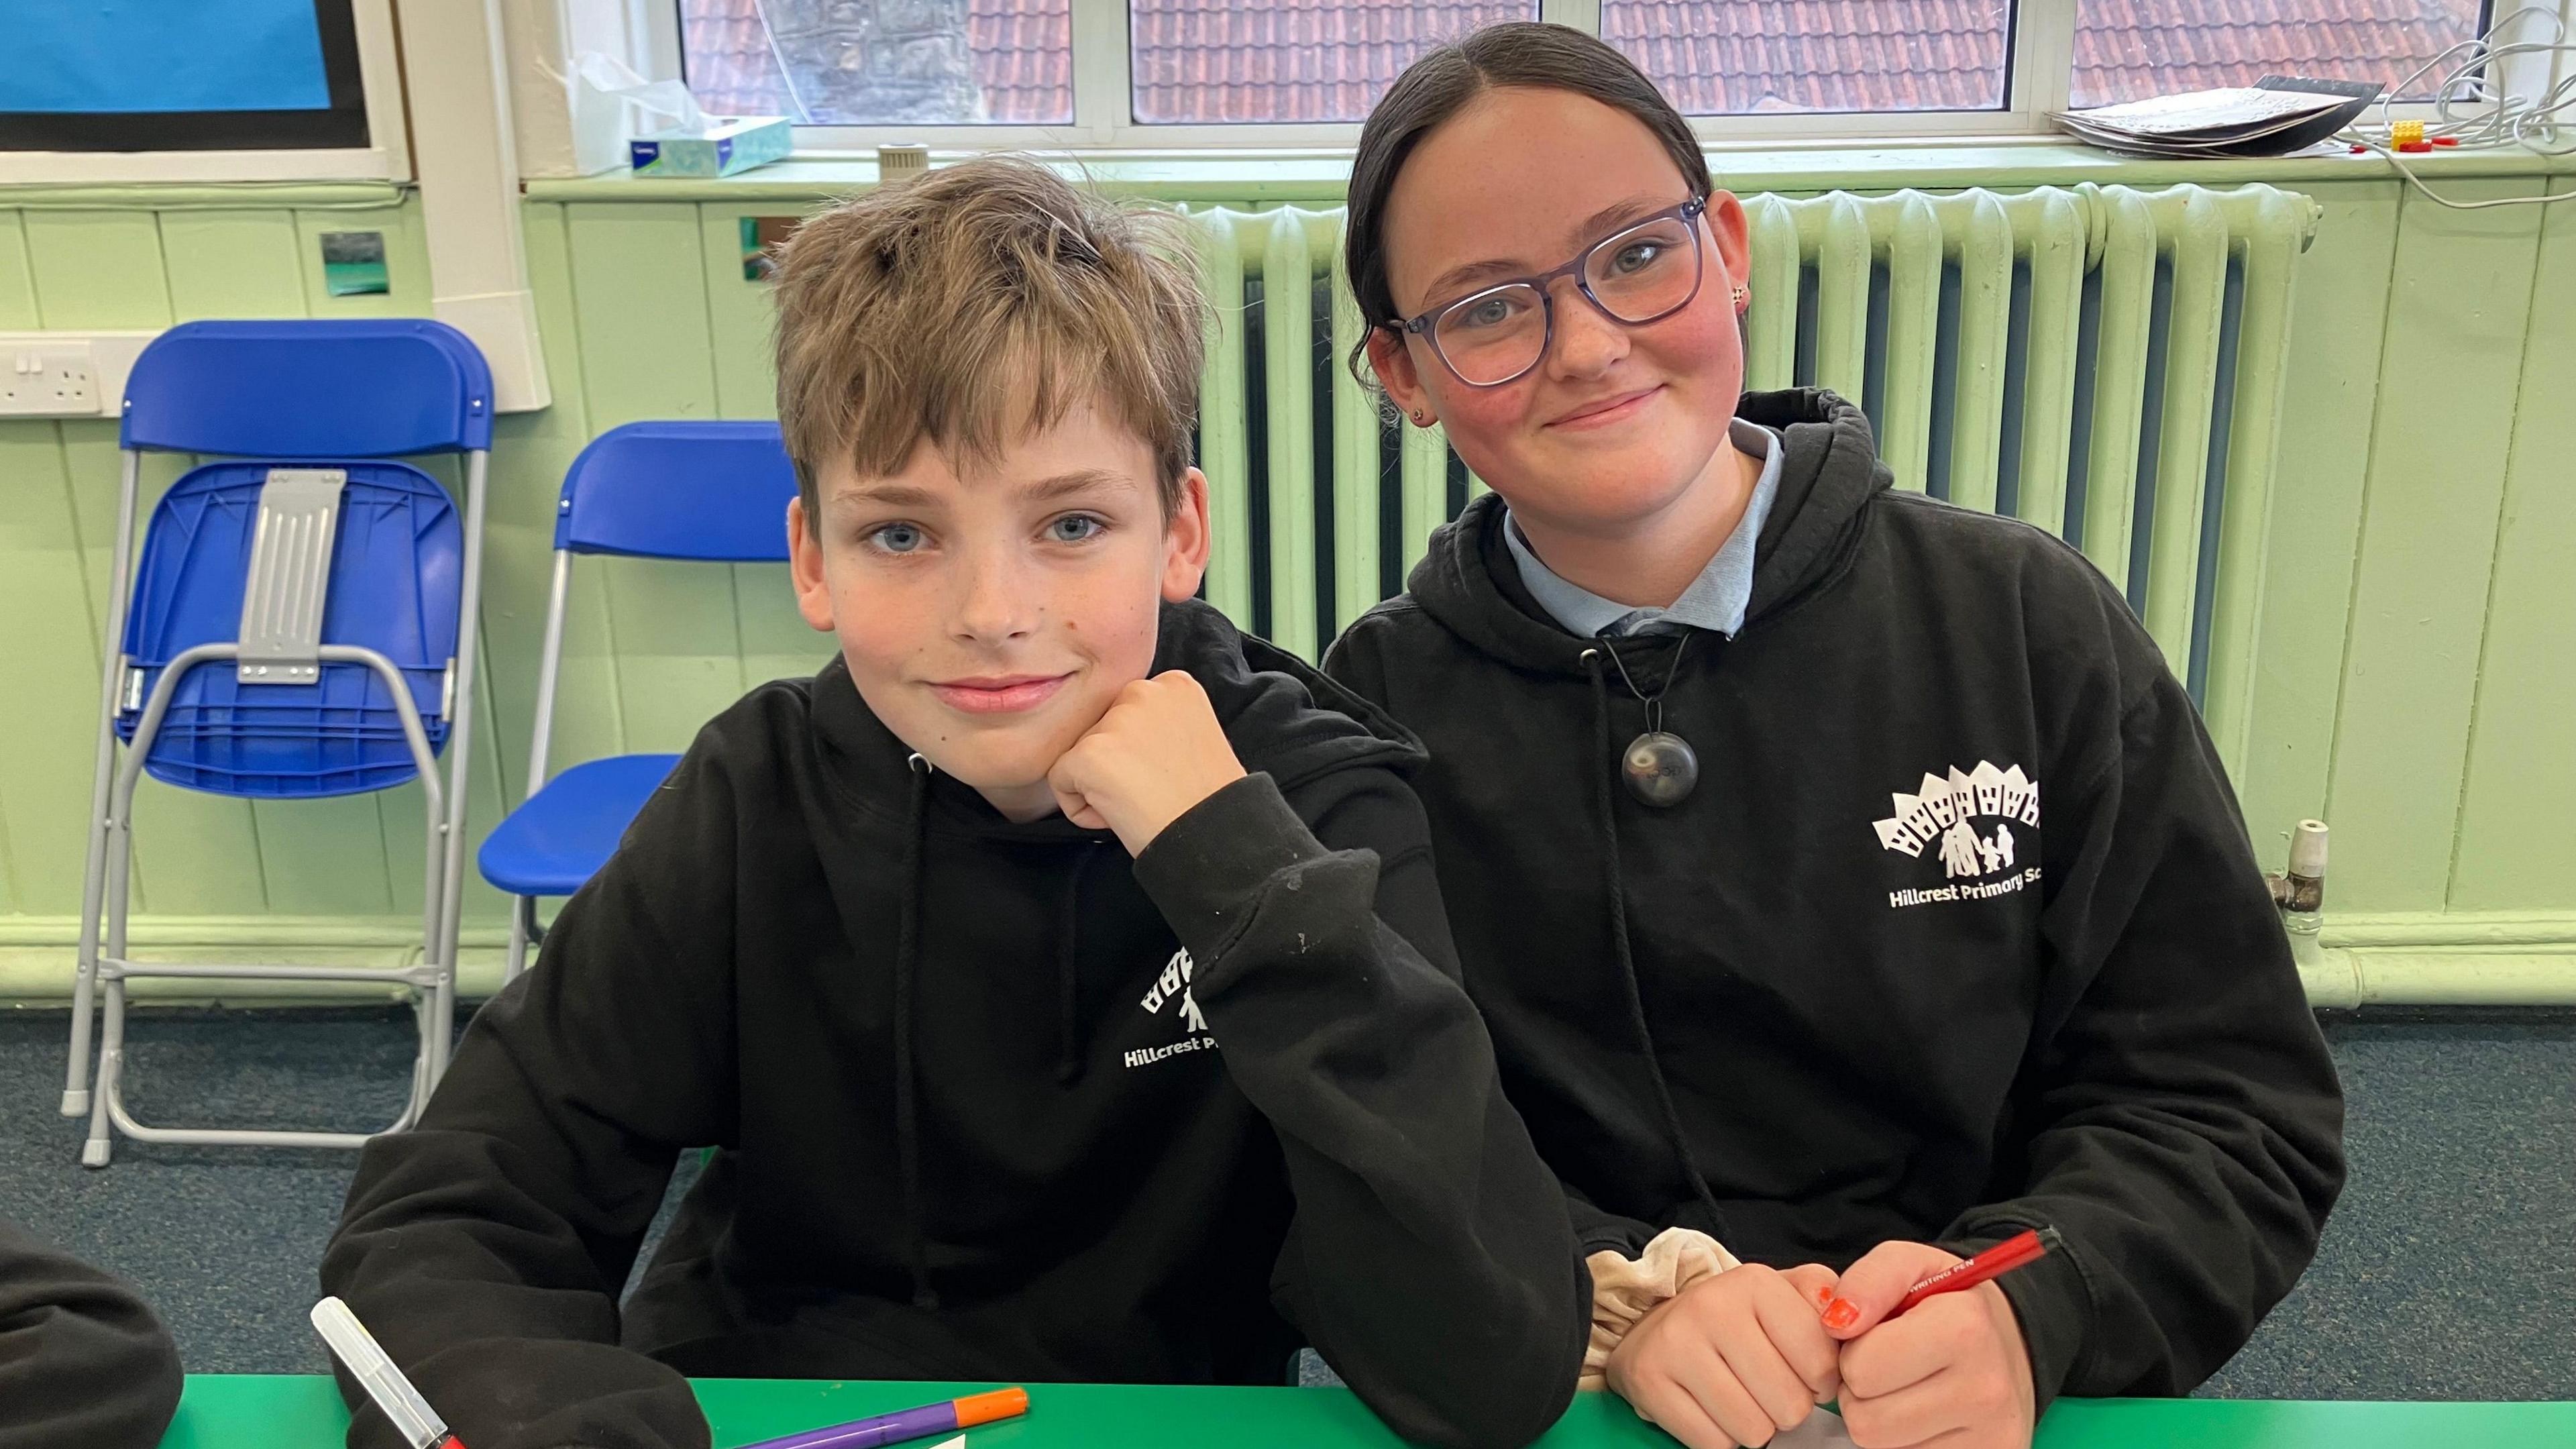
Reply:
x=1829 y=470
x=1283 y=718
x=1469 y=584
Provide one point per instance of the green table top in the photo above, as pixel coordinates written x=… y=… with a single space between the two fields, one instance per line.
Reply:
x=298 y=1411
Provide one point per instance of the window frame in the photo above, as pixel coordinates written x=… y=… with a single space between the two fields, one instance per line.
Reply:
x=2039 y=77
x=385 y=157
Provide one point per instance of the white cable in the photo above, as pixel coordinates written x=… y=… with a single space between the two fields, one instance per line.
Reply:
x=2533 y=123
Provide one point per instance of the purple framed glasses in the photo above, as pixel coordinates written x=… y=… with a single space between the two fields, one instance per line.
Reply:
x=1644 y=272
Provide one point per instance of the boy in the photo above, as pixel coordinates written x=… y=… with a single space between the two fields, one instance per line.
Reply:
x=987 y=1103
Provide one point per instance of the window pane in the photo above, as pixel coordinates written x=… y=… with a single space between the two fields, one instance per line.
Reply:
x=2127 y=50
x=1210 y=61
x=1734 y=57
x=882 y=62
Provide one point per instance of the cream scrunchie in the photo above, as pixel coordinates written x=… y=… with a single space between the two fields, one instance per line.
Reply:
x=1626 y=1289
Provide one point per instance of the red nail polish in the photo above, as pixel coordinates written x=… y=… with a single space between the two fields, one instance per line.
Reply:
x=1825 y=1296
x=1841 y=1314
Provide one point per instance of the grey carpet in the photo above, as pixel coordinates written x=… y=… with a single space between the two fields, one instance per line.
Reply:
x=2445 y=1273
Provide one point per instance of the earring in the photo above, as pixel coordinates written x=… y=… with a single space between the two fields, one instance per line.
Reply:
x=1742 y=297
x=1421 y=419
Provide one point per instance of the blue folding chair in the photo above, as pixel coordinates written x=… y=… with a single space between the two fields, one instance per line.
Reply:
x=713 y=492
x=294 y=629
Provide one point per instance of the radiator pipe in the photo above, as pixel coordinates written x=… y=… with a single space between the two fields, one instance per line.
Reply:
x=2344 y=978
x=2331 y=978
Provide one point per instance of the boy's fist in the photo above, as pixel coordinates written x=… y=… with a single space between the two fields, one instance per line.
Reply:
x=1952 y=1370
x=1156 y=753
x=1733 y=1359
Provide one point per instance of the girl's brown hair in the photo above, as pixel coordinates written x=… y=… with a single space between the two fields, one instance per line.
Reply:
x=1440 y=84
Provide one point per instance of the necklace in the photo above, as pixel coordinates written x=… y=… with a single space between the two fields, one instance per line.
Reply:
x=1658 y=765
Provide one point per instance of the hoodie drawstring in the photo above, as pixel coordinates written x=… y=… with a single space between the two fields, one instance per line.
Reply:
x=907 y=1109
x=1068 y=1061
x=1601 y=759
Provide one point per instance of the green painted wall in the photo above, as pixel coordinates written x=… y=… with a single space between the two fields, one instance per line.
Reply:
x=2415 y=654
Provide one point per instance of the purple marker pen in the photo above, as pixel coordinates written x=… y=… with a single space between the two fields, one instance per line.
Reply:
x=918 y=1423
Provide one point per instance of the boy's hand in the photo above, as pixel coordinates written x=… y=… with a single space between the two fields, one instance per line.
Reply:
x=1732 y=1359
x=1952 y=1370
x=1156 y=753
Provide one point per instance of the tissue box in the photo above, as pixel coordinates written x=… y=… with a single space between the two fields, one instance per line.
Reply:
x=728 y=144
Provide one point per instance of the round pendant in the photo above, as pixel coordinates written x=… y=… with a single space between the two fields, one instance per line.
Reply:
x=1660 y=767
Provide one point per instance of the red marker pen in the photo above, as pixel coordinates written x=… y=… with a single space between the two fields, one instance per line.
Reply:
x=1994 y=1262
x=411 y=1414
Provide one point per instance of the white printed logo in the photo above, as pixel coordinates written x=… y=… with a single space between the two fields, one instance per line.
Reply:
x=1174 y=984
x=1175 y=980
x=1944 y=811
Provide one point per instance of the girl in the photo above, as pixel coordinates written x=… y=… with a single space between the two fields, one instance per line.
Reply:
x=1845 y=880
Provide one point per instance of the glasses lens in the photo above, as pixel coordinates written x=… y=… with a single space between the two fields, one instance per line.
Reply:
x=1493 y=336
x=1644 y=272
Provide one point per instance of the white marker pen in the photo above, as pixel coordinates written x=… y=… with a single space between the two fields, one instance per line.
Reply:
x=411 y=1414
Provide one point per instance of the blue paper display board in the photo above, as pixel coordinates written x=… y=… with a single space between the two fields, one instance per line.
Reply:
x=128 y=56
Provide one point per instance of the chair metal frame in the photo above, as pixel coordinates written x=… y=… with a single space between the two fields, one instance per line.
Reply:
x=99 y=988
x=524 y=930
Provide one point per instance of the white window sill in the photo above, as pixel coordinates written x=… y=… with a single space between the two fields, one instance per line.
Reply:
x=1320 y=176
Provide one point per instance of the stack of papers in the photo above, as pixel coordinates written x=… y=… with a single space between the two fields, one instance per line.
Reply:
x=2240 y=121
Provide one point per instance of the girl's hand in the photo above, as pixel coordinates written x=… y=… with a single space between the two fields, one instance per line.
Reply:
x=1732 y=1359
x=1952 y=1372
x=1156 y=753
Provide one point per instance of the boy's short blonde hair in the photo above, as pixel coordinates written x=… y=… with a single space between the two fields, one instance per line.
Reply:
x=942 y=308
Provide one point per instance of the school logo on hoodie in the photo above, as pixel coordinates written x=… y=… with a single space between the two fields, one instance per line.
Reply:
x=1172 y=985
x=1943 y=817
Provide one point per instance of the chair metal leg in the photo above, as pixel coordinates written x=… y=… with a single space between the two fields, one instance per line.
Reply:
x=76 y=1070
x=421 y=1080
x=460 y=728
x=440 y=1023
x=523 y=912
x=117 y=897
x=435 y=951
x=111 y=1064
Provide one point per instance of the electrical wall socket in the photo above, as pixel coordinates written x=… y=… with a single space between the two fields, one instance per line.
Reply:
x=49 y=384
x=66 y=374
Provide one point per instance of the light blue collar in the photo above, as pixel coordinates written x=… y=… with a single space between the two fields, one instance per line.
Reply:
x=1715 y=600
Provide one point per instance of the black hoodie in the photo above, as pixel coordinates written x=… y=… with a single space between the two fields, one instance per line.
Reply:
x=1959 y=933
x=83 y=1362
x=989 y=1103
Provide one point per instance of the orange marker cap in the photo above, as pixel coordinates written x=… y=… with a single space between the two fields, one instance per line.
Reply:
x=984 y=1408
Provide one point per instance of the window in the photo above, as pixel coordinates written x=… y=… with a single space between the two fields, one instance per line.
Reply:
x=1225 y=61
x=2129 y=49
x=1183 y=73
x=1748 y=57
x=882 y=62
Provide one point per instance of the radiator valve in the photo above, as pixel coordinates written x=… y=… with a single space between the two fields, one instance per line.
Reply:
x=2300 y=891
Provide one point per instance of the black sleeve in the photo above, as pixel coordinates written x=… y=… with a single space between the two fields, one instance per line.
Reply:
x=1598 y=1230
x=2181 y=1120
x=1354 y=661
x=84 y=1364
x=1429 y=1259
x=486 y=1247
